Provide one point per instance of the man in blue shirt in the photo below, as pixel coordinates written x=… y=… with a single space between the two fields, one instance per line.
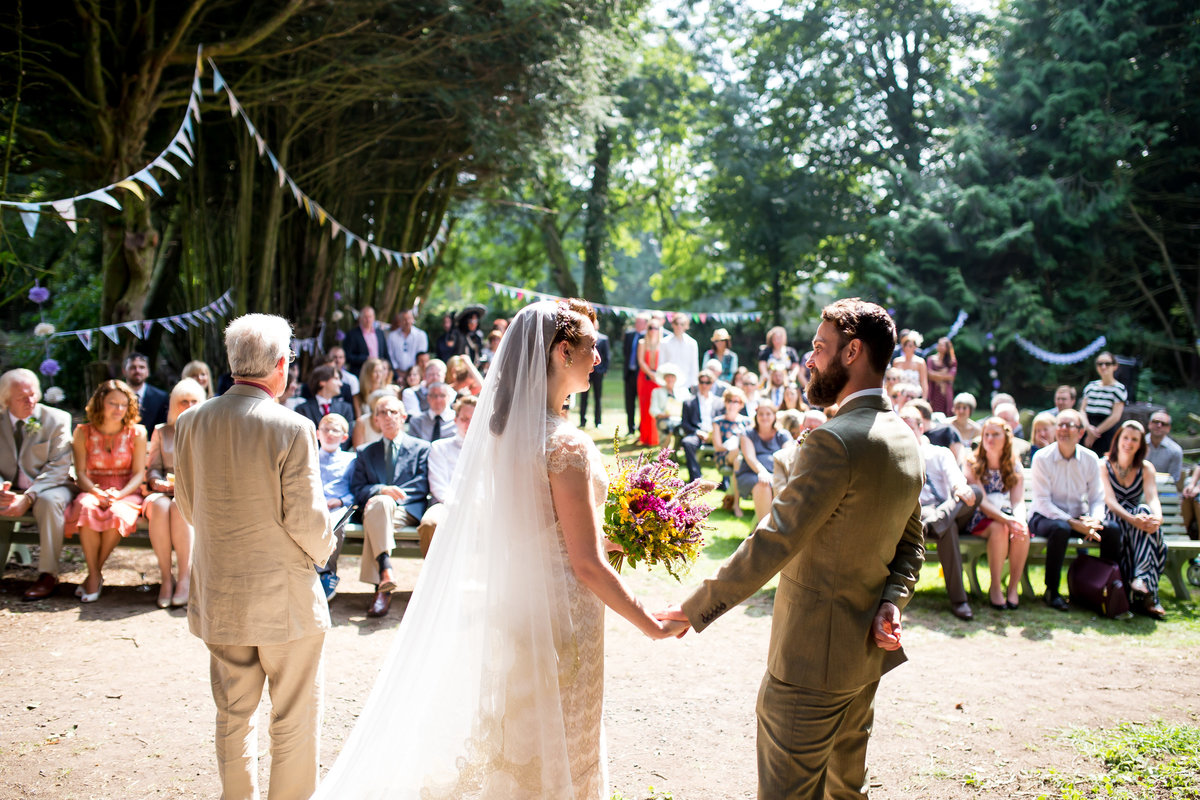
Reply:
x=337 y=466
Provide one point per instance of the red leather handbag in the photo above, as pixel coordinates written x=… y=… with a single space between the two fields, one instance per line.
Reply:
x=1097 y=584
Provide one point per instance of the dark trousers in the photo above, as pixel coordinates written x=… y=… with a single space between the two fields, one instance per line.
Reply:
x=691 y=445
x=943 y=523
x=631 y=400
x=597 y=382
x=1057 y=532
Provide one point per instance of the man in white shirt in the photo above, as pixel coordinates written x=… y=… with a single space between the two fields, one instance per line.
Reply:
x=443 y=457
x=681 y=350
x=1068 y=500
x=947 y=504
x=436 y=422
x=1161 y=450
x=416 y=398
x=697 y=421
x=404 y=342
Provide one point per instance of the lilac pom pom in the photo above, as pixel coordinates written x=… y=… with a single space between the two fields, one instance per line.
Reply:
x=337 y=295
x=339 y=335
x=49 y=368
x=39 y=294
x=996 y=384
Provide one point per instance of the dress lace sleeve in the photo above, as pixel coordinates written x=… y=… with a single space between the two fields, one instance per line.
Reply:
x=567 y=450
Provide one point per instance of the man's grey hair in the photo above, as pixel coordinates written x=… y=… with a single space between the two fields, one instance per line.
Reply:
x=254 y=344
x=13 y=376
x=445 y=387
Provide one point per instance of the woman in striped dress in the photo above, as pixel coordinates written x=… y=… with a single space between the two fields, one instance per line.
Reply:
x=1128 y=479
x=1102 y=404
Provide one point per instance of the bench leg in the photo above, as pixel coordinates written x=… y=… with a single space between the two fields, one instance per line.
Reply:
x=971 y=565
x=6 y=531
x=1174 y=572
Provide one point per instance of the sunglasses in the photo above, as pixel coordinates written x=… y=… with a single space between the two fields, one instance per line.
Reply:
x=1105 y=364
x=706 y=383
x=1068 y=425
x=1160 y=422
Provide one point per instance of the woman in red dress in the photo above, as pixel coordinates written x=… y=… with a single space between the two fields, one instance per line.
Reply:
x=110 y=462
x=647 y=357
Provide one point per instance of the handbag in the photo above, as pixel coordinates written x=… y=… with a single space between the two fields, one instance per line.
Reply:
x=1097 y=584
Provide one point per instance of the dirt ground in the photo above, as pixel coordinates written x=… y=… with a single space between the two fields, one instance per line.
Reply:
x=111 y=700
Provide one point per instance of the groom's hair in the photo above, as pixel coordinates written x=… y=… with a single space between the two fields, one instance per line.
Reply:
x=869 y=323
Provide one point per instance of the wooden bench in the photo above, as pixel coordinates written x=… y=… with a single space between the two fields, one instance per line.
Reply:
x=23 y=531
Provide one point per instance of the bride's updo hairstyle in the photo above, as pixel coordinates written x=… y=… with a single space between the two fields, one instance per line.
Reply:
x=568 y=325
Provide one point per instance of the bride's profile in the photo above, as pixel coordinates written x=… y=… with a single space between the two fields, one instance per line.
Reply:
x=493 y=687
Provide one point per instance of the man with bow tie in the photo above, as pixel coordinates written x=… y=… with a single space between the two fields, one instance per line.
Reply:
x=390 y=483
x=35 y=463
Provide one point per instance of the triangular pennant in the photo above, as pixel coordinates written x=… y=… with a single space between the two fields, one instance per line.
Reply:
x=334 y=228
x=320 y=215
x=350 y=237
x=295 y=190
x=283 y=176
x=186 y=144
x=233 y=103
x=111 y=332
x=133 y=187
x=387 y=256
x=375 y=251
x=30 y=215
x=145 y=177
x=218 y=80
x=146 y=326
x=194 y=108
x=104 y=197
x=362 y=246
x=86 y=338
x=304 y=202
x=134 y=327
x=180 y=153
x=166 y=166
x=262 y=145
x=178 y=322
x=166 y=323
x=186 y=127
x=274 y=161
x=66 y=210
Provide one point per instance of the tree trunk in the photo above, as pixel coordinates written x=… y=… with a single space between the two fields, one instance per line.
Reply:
x=595 y=229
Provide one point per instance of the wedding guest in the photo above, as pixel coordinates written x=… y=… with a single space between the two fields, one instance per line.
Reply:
x=35 y=466
x=463 y=377
x=720 y=351
x=438 y=421
x=1064 y=397
x=365 y=340
x=749 y=387
x=912 y=366
x=940 y=369
x=326 y=388
x=792 y=401
x=814 y=418
x=1103 y=403
x=648 y=356
x=681 y=349
x=758 y=444
x=169 y=531
x=1013 y=416
x=1068 y=500
x=666 y=402
x=1021 y=448
x=292 y=396
x=1188 y=503
x=1162 y=451
x=337 y=467
x=374 y=376
x=791 y=422
x=595 y=381
x=947 y=503
x=490 y=345
x=201 y=374
x=903 y=392
x=405 y=341
x=414 y=378
x=777 y=384
x=1129 y=478
x=776 y=351
x=337 y=359
x=1042 y=432
x=152 y=401
x=365 y=429
x=727 y=436
x=443 y=457
x=939 y=435
x=470 y=335
x=964 y=407
x=891 y=377
x=631 y=340
x=995 y=471
x=719 y=384
x=416 y=400
x=449 y=343
x=247 y=480
x=110 y=465
x=697 y=421
x=391 y=480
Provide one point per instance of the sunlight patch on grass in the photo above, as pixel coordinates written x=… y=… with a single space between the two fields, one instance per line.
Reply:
x=1141 y=761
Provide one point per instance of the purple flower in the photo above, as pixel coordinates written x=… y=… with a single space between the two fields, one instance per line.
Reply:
x=996 y=384
x=989 y=335
x=39 y=294
x=339 y=335
x=49 y=367
x=337 y=295
x=891 y=312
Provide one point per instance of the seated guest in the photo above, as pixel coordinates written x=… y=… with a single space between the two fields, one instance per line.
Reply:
x=749 y=387
x=391 y=479
x=726 y=440
x=776 y=385
x=492 y=343
x=463 y=377
x=1041 y=432
x=791 y=422
x=1064 y=398
x=1131 y=500
x=891 y=377
x=996 y=470
x=35 y=465
x=902 y=393
x=792 y=400
x=152 y=401
x=727 y=360
x=325 y=385
x=337 y=359
x=1068 y=500
x=376 y=374
x=813 y=418
x=758 y=444
x=201 y=374
x=1020 y=447
x=414 y=399
x=1003 y=398
x=365 y=429
x=697 y=421
x=939 y=435
x=1161 y=450
x=169 y=531
x=413 y=378
x=776 y=351
x=337 y=468
x=666 y=401
x=964 y=407
x=947 y=502
x=720 y=384
x=292 y=395
x=443 y=457
x=110 y=465
x=1188 y=503
x=437 y=422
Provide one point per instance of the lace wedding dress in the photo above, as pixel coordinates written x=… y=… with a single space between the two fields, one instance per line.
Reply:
x=493 y=688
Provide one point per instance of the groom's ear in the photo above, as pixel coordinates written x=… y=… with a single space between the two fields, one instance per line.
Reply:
x=853 y=350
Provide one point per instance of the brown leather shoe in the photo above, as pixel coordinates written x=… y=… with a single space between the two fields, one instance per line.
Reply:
x=380 y=605
x=962 y=611
x=41 y=588
x=387 y=581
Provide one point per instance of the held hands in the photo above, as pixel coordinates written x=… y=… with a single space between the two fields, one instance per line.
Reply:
x=886 y=626
x=674 y=622
x=965 y=494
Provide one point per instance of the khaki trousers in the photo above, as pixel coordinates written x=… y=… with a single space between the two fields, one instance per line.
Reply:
x=294 y=674
x=381 y=517
x=49 y=511
x=434 y=515
x=812 y=745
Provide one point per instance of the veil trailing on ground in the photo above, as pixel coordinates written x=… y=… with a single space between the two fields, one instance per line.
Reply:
x=467 y=703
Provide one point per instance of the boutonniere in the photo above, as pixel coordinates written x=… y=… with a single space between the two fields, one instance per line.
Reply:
x=32 y=425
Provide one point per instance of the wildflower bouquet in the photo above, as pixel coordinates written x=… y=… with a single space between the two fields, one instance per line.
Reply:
x=654 y=515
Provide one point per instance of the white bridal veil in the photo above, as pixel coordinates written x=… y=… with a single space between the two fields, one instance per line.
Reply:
x=467 y=703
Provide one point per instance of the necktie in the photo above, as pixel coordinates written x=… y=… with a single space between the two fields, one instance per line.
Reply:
x=19 y=434
x=324 y=409
x=936 y=494
x=437 y=428
x=391 y=458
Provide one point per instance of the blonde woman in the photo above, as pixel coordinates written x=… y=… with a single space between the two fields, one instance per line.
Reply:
x=1001 y=517
x=201 y=374
x=376 y=374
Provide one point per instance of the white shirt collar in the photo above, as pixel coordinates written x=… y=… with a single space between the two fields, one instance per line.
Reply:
x=879 y=392
x=15 y=419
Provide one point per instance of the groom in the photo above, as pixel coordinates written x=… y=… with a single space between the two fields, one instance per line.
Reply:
x=846 y=533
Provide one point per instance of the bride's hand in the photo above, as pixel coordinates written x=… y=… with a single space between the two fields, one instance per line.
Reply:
x=672 y=622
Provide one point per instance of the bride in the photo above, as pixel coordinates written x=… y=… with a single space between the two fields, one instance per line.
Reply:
x=493 y=688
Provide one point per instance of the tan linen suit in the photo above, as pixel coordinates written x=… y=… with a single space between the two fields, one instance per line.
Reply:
x=846 y=533
x=43 y=467
x=248 y=480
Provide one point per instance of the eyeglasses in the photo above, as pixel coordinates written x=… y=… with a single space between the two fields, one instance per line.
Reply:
x=1105 y=364
x=1164 y=423
x=1068 y=425
x=705 y=383
x=291 y=356
x=388 y=412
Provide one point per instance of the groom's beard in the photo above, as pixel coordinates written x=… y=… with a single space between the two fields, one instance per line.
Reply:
x=824 y=387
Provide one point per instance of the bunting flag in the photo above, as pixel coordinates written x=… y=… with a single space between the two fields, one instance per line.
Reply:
x=959 y=321
x=1061 y=358
x=311 y=345
x=727 y=317
x=141 y=328
x=179 y=147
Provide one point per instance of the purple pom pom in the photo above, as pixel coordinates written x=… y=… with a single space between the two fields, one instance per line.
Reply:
x=996 y=384
x=49 y=367
x=891 y=312
x=39 y=294
x=337 y=295
x=339 y=335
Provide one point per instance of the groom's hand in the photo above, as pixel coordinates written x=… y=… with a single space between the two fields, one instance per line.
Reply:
x=676 y=622
x=886 y=626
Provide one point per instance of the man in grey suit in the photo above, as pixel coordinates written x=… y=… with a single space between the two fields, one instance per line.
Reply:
x=846 y=533
x=437 y=422
x=35 y=466
x=248 y=479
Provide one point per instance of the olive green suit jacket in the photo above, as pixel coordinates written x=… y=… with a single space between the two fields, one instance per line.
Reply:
x=846 y=533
